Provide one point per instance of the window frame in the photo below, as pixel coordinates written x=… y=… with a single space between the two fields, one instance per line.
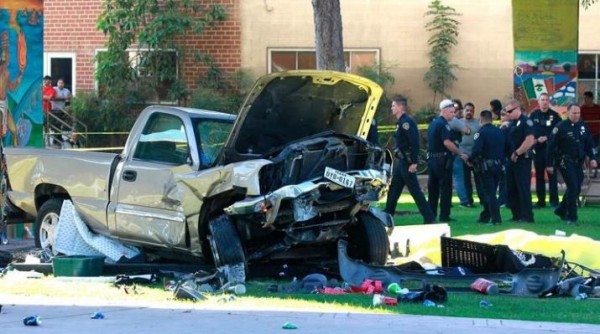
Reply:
x=596 y=80
x=270 y=51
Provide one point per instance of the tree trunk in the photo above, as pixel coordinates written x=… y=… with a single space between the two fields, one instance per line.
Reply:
x=328 y=35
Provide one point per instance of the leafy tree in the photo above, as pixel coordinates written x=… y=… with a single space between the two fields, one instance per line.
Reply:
x=444 y=35
x=155 y=26
x=328 y=35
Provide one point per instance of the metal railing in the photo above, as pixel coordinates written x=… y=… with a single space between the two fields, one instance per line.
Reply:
x=63 y=130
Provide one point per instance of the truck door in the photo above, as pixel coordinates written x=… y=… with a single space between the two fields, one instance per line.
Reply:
x=150 y=194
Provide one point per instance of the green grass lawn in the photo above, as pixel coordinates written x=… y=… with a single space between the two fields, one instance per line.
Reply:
x=546 y=223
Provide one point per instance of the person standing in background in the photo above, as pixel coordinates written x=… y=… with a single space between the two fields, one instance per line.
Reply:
x=440 y=151
x=487 y=159
x=518 y=175
x=544 y=120
x=406 y=152
x=568 y=146
x=466 y=146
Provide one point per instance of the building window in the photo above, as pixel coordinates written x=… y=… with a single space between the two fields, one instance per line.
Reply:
x=588 y=77
x=61 y=65
x=305 y=59
x=157 y=72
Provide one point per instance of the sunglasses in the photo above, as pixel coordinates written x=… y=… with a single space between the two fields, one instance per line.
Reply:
x=451 y=105
x=508 y=111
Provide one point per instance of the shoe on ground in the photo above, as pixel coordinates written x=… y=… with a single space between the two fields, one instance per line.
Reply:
x=447 y=220
x=539 y=205
x=498 y=222
x=559 y=214
x=572 y=222
x=466 y=205
x=515 y=220
x=526 y=221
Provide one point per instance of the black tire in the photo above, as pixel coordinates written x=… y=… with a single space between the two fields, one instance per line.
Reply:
x=422 y=164
x=225 y=242
x=368 y=240
x=46 y=222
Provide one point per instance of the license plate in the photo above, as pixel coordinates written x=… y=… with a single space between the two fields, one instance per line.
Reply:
x=340 y=178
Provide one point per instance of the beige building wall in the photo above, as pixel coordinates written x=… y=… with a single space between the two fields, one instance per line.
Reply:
x=396 y=27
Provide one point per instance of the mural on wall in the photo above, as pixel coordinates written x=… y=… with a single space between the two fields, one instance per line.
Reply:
x=21 y=67
x=545 y=34
x=550 y=72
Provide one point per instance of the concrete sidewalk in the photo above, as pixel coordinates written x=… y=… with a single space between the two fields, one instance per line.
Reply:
x=193 y=318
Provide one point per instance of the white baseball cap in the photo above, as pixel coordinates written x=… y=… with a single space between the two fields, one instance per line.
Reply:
x=447 y=103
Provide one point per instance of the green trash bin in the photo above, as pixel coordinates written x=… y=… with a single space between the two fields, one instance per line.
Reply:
x=78 y=265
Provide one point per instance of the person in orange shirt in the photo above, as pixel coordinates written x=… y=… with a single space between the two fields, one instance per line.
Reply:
x=48 y=94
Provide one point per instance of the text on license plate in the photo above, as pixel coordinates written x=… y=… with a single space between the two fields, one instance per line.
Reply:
x=340 y=178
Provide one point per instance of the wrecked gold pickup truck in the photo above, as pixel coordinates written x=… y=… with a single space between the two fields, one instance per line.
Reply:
x=287 y=177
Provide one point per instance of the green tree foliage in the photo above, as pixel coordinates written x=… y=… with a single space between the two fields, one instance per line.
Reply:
x=444 y=35
x=154 y=26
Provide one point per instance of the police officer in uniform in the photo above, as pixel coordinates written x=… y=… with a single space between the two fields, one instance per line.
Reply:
x=440 y=150
x=406 y=151
x=518 y=176
x=544 y=120
x=487 y=159
x=568 y=146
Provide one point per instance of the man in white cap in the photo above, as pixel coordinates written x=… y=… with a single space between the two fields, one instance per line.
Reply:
x=440 y=156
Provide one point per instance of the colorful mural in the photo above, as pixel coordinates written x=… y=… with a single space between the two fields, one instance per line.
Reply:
x=545 y=34
x=550 y=72
x=21 y=68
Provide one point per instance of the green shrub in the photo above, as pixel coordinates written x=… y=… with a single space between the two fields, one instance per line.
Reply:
x=425 y=114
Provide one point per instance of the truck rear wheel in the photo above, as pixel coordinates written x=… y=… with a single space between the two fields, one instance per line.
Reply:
x=46 y=222
x=225 y=242
x=368 y=240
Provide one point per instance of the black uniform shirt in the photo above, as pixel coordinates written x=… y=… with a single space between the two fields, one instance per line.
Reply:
x=489 y=144
x=407 y=137
x=544 y=122
x=438 y=132
x=570 y=140
x=519 y=129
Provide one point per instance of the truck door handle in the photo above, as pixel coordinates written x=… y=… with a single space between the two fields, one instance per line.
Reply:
x=129 y=175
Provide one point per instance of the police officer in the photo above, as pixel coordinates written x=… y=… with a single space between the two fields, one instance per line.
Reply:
x=568 y=146
x=406 y=151
x=544 y=120
x=440 y=150
x=487 y=158
x=518 y=176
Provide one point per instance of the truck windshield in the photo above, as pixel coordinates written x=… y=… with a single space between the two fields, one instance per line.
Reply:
x=211 y=135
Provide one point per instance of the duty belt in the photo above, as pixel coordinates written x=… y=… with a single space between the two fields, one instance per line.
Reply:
x=436 y=155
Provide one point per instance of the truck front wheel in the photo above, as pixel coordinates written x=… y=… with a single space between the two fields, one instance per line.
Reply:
x=225 y=242
x=368 y=240
x=46 y=222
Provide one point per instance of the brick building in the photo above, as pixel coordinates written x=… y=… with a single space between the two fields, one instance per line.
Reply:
x=71 y=41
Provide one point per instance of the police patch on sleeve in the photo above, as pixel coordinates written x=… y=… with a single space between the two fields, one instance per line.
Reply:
x=529 y=122
x=476 y=136
x=554 y=131
x=405 y=125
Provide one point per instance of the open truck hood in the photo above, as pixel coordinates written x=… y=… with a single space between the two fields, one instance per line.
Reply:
x=285 y=107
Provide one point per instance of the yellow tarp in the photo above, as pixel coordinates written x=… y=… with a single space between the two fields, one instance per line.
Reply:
x=578 y=249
